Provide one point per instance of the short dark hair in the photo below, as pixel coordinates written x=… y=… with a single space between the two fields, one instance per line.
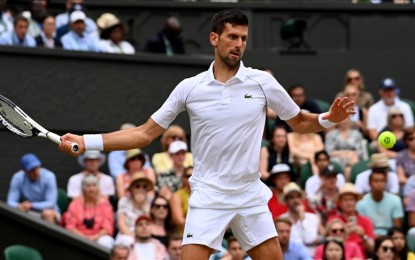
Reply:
x=20 y=18
x=293 y=87
x=233 y=17
x=324 y=152
x=377 y=172
x=283 y=220
x=118 y=246
x=174 y=237
x=231 y=239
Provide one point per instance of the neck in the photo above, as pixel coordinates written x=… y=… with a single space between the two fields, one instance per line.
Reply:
x=349 y=213
x=222 y=72
x=90 y=201
x=143 y=239
x=178 y=169
x=139 y=204
x=284 y=247
x=377 y=196
x=293 y=215
x=159 y=222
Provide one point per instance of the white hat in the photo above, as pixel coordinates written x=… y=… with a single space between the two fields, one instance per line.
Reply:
x=76 y=16
x=281 y=167
x=177 y=146
x=92 y=155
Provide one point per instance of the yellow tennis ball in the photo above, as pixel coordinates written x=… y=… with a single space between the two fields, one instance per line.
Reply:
x=387 y=139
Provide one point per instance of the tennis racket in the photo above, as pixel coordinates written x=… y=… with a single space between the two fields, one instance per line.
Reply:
x=21 y=124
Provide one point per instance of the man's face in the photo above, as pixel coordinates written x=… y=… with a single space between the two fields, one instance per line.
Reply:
x=377 y=183
x=293 y=200
x=21 y=29
x=143 y=229
x=347 y=203
x=175 y=249
x=33 y=174
x=49 y=25
x=322 y=162
x=388 y=95
x=235 y=250
x=329 y=181
x=92 y=165
x=284 y=231
x=298 y=96
x=230 y=44
x=78 y=27
x=120 y=254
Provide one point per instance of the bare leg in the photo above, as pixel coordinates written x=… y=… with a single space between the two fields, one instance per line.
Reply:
x=269 y=249
x=196 y=252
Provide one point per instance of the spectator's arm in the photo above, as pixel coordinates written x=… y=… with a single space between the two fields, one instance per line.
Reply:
x=108 y=219
x=13 y=196
x=397 y=222
x=51 y=194
x=120 y=187
x=177 y=211
x=263 y=163
x=411 y=219
x=401 y=174
x=122 y=226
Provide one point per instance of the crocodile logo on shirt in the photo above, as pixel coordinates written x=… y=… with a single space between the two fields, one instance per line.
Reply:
x=189 y=235
x=248 y=96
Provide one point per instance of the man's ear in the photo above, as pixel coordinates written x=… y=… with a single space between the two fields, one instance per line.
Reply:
x=214 y=37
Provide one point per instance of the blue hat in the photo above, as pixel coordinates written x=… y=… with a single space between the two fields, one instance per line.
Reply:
x=387 y=83
x=29 y=161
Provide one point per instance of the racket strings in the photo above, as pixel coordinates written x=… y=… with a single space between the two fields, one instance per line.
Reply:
x=14 y=121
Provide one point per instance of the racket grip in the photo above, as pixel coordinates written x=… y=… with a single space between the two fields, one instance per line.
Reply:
x=57 y=140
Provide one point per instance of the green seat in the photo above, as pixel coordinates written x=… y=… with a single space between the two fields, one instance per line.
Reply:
x=358 y=168
x=62 y=200
x=323 y=105
x=21 y=252
x=306 y=172
x=410 y=239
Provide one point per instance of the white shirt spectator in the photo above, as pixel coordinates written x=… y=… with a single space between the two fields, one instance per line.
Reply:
x=121 y=48
x=313 y=184
x=106 y=185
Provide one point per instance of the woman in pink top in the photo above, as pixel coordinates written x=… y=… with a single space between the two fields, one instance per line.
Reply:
x=91 y=215
x=336 y=229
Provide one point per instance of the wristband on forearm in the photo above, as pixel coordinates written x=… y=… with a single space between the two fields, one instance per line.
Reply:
x=94 y=142
x=324 y=122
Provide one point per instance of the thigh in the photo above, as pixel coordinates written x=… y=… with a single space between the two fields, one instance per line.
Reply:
x=269 y=249
x=196 y=252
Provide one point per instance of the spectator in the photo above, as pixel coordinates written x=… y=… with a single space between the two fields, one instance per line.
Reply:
x=405 y=160
x=305 y=226
x=358 y=120
x=162 y=162
x=401 y=246
x=116 y=159
x=33 y=190
x=172 y=181
x=132 y=206
x=179 y=200
x=280 y=176
x=359 y=229
x=18 y=37
x=76 y=39
x=168 y=40
x=134 y=162
x=377 y=114
x=313 y=183
x=336 y=230
x=119 y=252
x=395 y=124
x=6 y=18
x=275 y=153
x=378 y=162
x=36 y=13
x=333 y=249
x=410 y=209
x=291 y=249
x=384 y=249
x=112 y=34
x=146 y=247
x=47 y=38
x=355 y=78
x=383 y=208
x=234 y=250
x=174 y=247
x=163 y=226
x=91 y=161
x=91 y=215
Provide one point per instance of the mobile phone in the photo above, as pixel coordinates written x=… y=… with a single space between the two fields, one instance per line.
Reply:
x=352 y=220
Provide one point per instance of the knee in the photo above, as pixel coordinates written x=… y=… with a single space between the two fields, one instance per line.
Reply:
x=48 y=214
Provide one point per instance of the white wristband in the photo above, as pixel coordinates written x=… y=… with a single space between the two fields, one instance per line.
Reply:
x=93 y=142
x=324 y=122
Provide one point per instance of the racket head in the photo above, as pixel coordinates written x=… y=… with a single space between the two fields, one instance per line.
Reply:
x=14 y=119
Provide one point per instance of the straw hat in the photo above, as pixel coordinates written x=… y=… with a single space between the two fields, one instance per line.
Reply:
x=292 y=187
x=139 y=176
x=379 y=160
x=91 y=155
x=349 y=188
x=133 y=153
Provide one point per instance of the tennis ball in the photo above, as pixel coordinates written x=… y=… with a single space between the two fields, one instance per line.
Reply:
x=387 y=139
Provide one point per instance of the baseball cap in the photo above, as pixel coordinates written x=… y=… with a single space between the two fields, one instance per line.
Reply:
x=177 y=146
x=330 y=170
x=143 y=217
x=77 y=16
x=387 y=83
x=29 y=161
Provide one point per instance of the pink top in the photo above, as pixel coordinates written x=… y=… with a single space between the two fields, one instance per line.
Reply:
x=352 y=251
x=102 y=214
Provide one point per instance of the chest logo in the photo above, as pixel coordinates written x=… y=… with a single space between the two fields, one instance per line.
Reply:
x=248 y=96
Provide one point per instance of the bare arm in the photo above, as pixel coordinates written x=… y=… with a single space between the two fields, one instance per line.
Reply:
x=263 y=163
x=177 y=211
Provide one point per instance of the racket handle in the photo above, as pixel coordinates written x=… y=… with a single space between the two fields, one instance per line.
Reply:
x=57 y=140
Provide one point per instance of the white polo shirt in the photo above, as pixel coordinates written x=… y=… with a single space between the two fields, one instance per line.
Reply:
x=227 y=122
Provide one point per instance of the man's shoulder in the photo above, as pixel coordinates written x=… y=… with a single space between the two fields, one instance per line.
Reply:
x=76 y=177
x=19 y=175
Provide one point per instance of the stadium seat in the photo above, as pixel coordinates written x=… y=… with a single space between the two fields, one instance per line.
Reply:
x=21 y=252
x=306 y=172
x=62 y=200
x=358 y=168
x=323 y=105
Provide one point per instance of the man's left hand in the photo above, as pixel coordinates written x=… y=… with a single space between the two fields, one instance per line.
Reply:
x=340 y=110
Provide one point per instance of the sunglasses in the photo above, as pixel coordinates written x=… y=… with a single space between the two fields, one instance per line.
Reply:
x=387 y=248
x=176 y=137
x=159 y=206
x=397 y=115
x=141 y=186
x=353 y=78
x=337 y=230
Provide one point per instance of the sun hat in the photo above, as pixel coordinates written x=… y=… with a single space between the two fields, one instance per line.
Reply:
x=91 y=155
x=139 y=176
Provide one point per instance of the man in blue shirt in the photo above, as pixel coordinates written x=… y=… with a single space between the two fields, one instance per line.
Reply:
x=292 y=250
x=33 y=189
x=18 y=36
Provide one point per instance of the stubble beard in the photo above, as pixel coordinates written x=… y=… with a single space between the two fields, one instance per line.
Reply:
x=231 y=64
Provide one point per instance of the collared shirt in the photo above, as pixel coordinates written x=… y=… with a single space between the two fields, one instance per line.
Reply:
x=42 y=193
x=363 y=187
x=313 y=184
x=106 y=185
x=72 y=41
x=121 y=48
x=90 y=26
x=10 y=38
x=296 y=251
x=227 y=122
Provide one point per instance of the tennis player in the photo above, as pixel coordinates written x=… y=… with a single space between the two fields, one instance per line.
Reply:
x=226 y=106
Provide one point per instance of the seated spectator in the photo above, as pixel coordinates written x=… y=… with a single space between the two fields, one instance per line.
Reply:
x=146 y=247
x=91 y=161
x=91 y=215
x=162 y=162
x=234 y=250
x=179 y=200
x=378 y=161
x=333 y=249
x=291 y=249
x=112 y=34
x=33 y=190
x=132 y=206
x=19 y=36
x=355 y=78
x=313 y=183
x=384 y=249
x=76 y=39
x=383 y=208
x=275 y=153
x=168 y=40
x=345 y=146
x=405 y=160
x=163 y=226
x=324 y=201
x=410 y=209
x=358 y=120
x=47 y=38
x=36 y=13
x=6 y=18
x=305 y=226
x=134 y=162
x=119 y=252
x=280 y=176
x=401 y=246
x=172 y=181
x=377 y=114
x=359 y=229
x=174 y=247
x=395 y=124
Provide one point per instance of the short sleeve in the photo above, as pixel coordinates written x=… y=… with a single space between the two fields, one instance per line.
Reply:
x=411 y=202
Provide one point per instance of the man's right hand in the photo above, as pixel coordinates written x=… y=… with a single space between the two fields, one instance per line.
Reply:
x=66 y=144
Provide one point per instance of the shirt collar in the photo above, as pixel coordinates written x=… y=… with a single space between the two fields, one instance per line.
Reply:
x=240 y=74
